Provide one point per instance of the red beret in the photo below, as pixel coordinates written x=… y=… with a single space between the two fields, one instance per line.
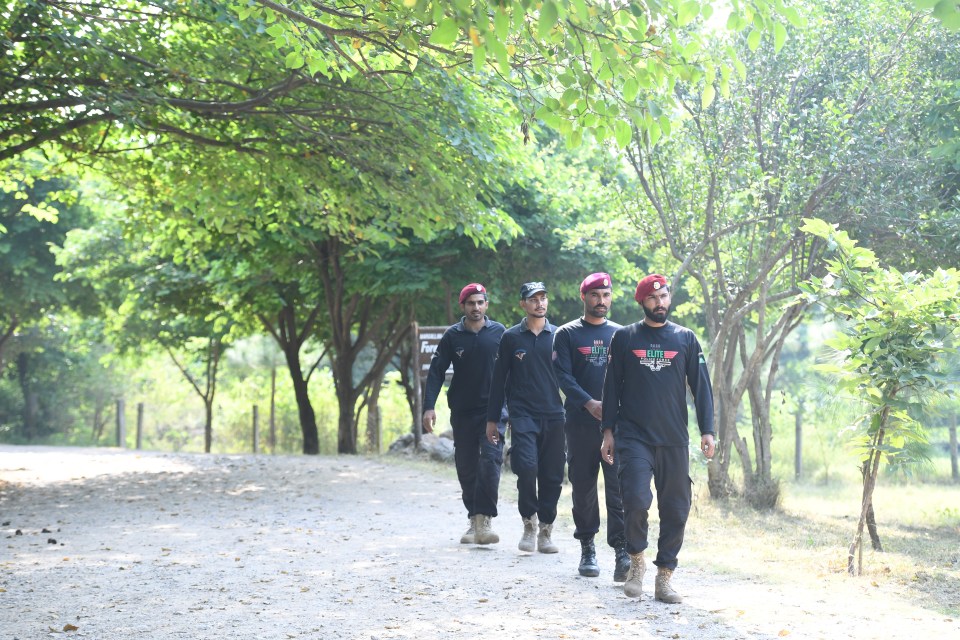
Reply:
x=595 y=281
x=653 y=282
x=471 y=289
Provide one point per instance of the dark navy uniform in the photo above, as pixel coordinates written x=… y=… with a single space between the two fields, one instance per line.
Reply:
x=524 y=376
x=580 y=362
x=478 y=461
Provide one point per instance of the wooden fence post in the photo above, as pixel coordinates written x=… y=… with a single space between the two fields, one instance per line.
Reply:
x=121 y=424
x=798 y=443
x=139 y=426
x=256 y=429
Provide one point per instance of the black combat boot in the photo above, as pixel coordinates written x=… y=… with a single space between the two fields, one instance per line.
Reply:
x=588 y=559
x=622 y=567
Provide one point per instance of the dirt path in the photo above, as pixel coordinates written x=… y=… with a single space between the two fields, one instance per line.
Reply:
x=150 y=545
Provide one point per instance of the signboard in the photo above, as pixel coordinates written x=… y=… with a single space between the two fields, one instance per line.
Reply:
x=428 y=339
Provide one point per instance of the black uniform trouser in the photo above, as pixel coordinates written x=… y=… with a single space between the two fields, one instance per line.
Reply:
x=669 y=468
x=537 y=457
x=478 y=462
x=583 y=467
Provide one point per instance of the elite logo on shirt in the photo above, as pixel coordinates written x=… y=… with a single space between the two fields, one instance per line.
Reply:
x=595 y=354
x=519 y=353
x=656 y=359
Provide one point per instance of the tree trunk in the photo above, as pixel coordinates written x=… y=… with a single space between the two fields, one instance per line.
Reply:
x=346 y=425
x=374 y=418
x=31 y=401
x=207 y=424
x=5 y=336
x=870 y=470
x=291 y=337
x=872 y=527
x=272 y=438
x=308 y=419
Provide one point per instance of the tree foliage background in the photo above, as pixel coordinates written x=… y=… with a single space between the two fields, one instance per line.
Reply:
x=192 y=178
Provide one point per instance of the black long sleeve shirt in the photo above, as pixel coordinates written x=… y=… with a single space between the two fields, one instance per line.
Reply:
x=472 y=355
x=524 y=375
x=580 y=359
x=644 y=391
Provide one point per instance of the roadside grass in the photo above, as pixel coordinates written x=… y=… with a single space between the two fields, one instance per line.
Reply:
x=807 y=539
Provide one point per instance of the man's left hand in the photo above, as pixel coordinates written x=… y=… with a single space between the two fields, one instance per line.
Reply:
x=707 y=445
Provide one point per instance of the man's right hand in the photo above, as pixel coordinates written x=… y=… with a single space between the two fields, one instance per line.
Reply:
x=594 y=408
x=493 y=435
x=429 y=419
x=606 y=447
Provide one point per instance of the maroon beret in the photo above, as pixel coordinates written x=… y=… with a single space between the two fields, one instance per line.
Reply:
x=653 y=282
x=595 y=281
x=469 y=290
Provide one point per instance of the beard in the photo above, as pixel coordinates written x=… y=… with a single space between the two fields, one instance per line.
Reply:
x=599 y=311
x=658 y=315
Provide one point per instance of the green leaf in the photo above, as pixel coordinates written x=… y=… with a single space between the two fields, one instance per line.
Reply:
x=944 y=9
x=753 y=40
x=709 y=93
x=293 y=60
x=548 y=19
x=630 y=89
x=501 y=24
x=574 y=139
x=479 y=58
x=687 y=13
x=445 y=33
x=623 y=133
x=779 y=36
x=793 y=17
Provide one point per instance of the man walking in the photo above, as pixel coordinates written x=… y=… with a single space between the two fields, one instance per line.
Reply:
x=524 y=375
x=652 y=363
x=580 y=358
x=471 y=346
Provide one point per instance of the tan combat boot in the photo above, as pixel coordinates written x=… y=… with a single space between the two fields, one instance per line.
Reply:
x=633 y=587
x=663 y=591
x=485 y=533
x=544 y=543
x=470 y=535
x=529 y=540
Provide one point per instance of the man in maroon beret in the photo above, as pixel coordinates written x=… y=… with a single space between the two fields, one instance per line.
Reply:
x=471 y=346
x=652 y=363
x=580 y=358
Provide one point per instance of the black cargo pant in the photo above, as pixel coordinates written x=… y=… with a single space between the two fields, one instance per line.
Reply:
x=583 y=468
x=478 y=462
x=669 y=469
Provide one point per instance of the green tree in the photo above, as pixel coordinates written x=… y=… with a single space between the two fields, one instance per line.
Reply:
x=149 y=301
x=821 y=125
x=895 y=329
x=35 y=217
x=581 y=66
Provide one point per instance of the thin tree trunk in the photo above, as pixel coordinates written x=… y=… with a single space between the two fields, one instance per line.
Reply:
x=870 y=470
x=374 y=419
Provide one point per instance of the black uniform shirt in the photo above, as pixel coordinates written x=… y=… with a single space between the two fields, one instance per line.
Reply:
x=472 y=355
x=645 y=387
x=524 y=375
x=580 y=360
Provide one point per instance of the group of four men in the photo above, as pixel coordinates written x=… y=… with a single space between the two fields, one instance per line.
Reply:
x=624 y=404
